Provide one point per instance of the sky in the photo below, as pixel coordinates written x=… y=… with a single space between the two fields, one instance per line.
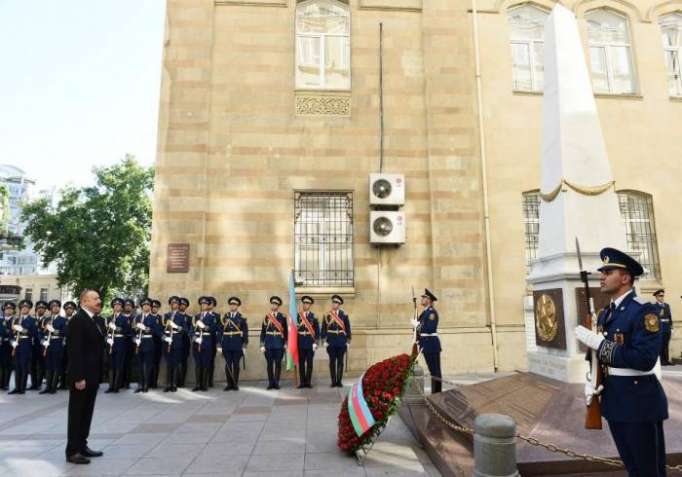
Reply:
x=79 y=85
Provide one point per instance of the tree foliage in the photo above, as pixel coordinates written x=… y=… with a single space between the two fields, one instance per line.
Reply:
x=98 y=236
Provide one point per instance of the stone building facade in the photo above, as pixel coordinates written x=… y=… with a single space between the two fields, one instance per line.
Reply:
x=270 y=127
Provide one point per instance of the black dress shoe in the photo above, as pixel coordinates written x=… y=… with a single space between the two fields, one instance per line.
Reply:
x=77 y=459
x=300 y=386
x=87 y=452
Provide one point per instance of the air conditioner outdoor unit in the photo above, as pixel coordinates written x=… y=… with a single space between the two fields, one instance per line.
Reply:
x=387 y=227
x=387 y=189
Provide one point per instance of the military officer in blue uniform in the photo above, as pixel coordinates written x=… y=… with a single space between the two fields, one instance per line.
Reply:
x=175 y=328
x=273 y=341
x=183 y=304
x=308 y=334
x=54 y=332
x=216 y=319
x=427 y=336
x=158 y=344
x=628 y=344
x=146 y=327
x=128 y=362
x=336 y=335
x=204 y=329
x=69 y=310
x=233 y=336
x=37 y=358
x=9 y=309
x=664 y=313
x=24 y=330
x=118 y=331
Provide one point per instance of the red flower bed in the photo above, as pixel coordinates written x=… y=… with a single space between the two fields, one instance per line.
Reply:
x=383 y=386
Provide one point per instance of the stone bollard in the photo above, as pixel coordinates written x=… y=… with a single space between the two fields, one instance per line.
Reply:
x=414 y=394
x=495 y=446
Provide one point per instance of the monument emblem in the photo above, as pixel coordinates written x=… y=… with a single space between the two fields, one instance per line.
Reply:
x=546 y=321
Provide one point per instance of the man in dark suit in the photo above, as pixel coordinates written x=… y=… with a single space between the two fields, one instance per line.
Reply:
x=85 y=343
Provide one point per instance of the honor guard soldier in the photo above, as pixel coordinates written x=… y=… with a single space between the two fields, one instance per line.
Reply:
x=233 y=333
x=146 y=326
x=118 y=331
x=204 y=328
x=308 y=333
x=158 y=344
x=54 y=331
x=9 y=309
x=666 y=325
x=183 y=303
x=216 y=320
x=37 y=358
x=24 y=330
x=175 y=328
x=69 y=310
x=628 y=344
x=129 y=314
x=427 y=336
x=273 y=341
x=336 y=334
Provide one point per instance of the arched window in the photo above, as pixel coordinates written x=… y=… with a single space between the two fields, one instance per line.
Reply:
x=637 y=212
x=610 y=52
x=531 y=226
x=322 y=45
x=671 y=27
x=527 y=46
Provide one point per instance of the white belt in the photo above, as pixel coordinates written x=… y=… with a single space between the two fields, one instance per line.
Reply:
x=634 y=372
x=427 y=335
x=629 y=372
x=147 y=336
x=119 y=336
x=56 y=337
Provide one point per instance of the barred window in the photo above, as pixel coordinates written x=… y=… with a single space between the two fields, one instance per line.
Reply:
x=43 y=294
x=531 y=225
x=610 y=52
x=527 y=46
x=323 y=45
x=323 y=239
x=637 y=212
x=671 y=28
x=28 y=294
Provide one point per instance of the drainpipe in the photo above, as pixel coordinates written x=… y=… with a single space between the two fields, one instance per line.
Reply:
x=484 y=177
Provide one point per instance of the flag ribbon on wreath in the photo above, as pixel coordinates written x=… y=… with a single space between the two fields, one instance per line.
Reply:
x=360 y=415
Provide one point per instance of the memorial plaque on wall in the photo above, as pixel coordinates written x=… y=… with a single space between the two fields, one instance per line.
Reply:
x=178 y=258
x=600 y=301
x=550 y=330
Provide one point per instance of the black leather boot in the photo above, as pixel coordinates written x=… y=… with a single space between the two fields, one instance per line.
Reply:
x=169 y=384
x=235 y=376
x=228 y=378
x=48 y=383
x=112 y=382
x=198 y=378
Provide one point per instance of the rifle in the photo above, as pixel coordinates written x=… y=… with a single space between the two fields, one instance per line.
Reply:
x=47 y=323
x=595 y=376
x=415 y=341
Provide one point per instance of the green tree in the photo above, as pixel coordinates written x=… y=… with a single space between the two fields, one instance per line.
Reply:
x=98 y=236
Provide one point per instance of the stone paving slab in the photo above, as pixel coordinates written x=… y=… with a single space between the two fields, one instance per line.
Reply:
x=252 y=432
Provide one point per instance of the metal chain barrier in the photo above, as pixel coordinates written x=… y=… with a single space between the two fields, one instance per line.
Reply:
x=531 y=440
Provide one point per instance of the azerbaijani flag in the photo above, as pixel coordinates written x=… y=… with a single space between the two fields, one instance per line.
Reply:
x=292 y=336
x=360 y=415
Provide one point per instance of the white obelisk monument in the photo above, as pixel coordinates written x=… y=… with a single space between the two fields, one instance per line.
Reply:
x=578 y=192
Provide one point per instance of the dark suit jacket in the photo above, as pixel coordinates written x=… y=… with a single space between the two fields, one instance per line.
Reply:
x=85 y=346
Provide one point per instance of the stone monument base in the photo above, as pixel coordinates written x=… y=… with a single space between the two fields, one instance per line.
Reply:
x=561 y=368
x=545 y=409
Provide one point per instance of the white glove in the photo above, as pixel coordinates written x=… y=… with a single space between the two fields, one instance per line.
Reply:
x=173 y=325
x=262 y=349
x=198 y=340
x=112 y=326
x=414 y=322
x=138 y=341
x=588 y=337
x=326 y=344
x=50 y=328
x=110 y=341
x=45 y=343
x=140 y=326
x=201 y=325
x=314 y=346
x=14 y=344
x=244 y=348
x=591 y=393
x=18 y=328
x=168 y=339
x=219 y=349
x=284 y=347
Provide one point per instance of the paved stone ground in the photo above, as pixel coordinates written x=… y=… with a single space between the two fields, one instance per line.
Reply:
x=252 y=432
